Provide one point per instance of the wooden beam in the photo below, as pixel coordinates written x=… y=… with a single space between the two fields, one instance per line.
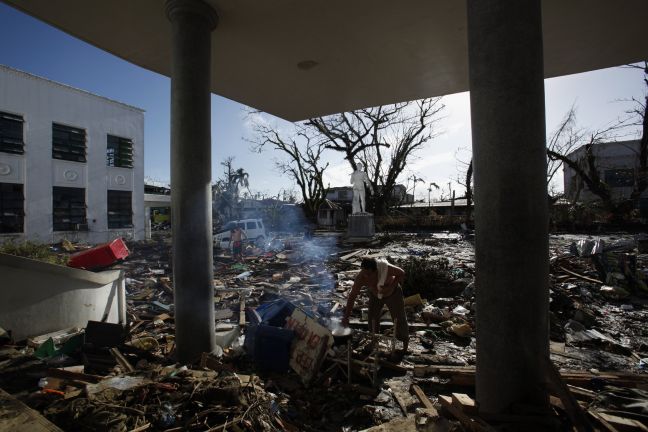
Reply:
x=242 y=309
x=475 y=425
x=119 y=357
x=464 y=401
x=576 y=414
x=621 y=424
x=425 y=401
x=16 y=416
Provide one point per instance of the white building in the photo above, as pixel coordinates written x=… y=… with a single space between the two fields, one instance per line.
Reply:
x=71 y=163
x=617 y=164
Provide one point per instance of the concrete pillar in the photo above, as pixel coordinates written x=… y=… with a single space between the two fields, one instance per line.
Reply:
x=192 y=23
x=511 y=211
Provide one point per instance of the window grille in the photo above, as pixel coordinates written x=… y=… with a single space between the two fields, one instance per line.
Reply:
x=12 y=214
x=11 y=133
x=119 y=152
x=621 y=177
x=68 y=143
x=69 y=209
x=120 y=209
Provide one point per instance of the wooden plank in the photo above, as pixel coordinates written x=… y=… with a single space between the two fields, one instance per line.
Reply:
x=389 y=365
x=73 y=376
x=581 y=393
x=621 y=424
x=352 y=254
x=465 y=376
x=334 y=308
x=425 y=401
x=16 y=416
x=465 y=402
x=608 y=427
x=576 y=414
x=407 y=424
x=555 y=401
x=471 y=424
x=125 y=364
x=242 y=309
x=399 y=398
x=141 y=428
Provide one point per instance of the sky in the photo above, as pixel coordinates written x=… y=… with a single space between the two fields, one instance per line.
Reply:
x=35 y=47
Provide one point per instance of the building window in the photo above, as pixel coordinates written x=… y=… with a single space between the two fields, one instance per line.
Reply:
x=12 y=212
x=120 y=209
x=68 y=143
x=343 y=195
x=11 y=133
x=119 y=152
x=69 y=209
x=619 y=177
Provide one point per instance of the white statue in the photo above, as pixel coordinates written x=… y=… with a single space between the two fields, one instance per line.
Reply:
x=358 y=179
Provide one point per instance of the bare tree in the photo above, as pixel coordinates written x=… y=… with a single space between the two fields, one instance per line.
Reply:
x=587 y=170
x=383 y=138
x=638 y=117
x=565 y=138
x=303 y=161
x=469 y=191
x=587 y=167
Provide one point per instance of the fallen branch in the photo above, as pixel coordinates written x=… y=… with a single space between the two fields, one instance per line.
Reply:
x=585 y=278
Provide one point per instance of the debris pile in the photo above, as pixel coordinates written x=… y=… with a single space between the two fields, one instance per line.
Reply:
x=283 y=362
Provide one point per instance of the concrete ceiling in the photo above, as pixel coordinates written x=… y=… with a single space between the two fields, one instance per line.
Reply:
x=361 y=53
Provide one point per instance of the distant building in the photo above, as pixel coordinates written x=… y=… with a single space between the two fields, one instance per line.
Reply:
x=256 y=208
x=400 y=195
x=340 y=194
x=71 y=163
x=442 y=208
x=157 y=206
x=331 y=215
x=617 y=164
x=344 y=194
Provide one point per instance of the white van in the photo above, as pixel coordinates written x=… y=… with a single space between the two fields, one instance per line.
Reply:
x=253 y=229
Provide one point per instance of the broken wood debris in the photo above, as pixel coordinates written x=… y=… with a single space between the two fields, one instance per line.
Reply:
x=130 y=378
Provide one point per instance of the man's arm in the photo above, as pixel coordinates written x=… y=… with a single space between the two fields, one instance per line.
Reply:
x=353 y=294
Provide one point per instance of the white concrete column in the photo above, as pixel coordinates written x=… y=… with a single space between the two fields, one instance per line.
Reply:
x=511 y=209
x=192 y=23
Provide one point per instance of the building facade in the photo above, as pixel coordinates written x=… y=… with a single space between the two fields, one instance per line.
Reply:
x=71 y=163
x=617 y=164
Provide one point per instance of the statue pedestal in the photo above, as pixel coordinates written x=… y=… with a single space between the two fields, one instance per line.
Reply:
x=361 y=226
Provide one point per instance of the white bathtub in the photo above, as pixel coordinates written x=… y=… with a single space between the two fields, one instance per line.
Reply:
x=38 y=297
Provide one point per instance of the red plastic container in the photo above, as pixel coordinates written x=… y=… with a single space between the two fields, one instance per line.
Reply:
x=100 y=256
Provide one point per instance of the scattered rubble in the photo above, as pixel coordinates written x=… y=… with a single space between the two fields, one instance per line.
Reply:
x=284 y=363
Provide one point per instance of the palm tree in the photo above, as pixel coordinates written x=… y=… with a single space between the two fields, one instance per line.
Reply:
x=416 y=180
x=430 y=191
x=237 y=179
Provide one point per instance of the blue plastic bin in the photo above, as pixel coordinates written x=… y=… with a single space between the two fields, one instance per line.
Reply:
x=274 y=313
x=269 y=347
